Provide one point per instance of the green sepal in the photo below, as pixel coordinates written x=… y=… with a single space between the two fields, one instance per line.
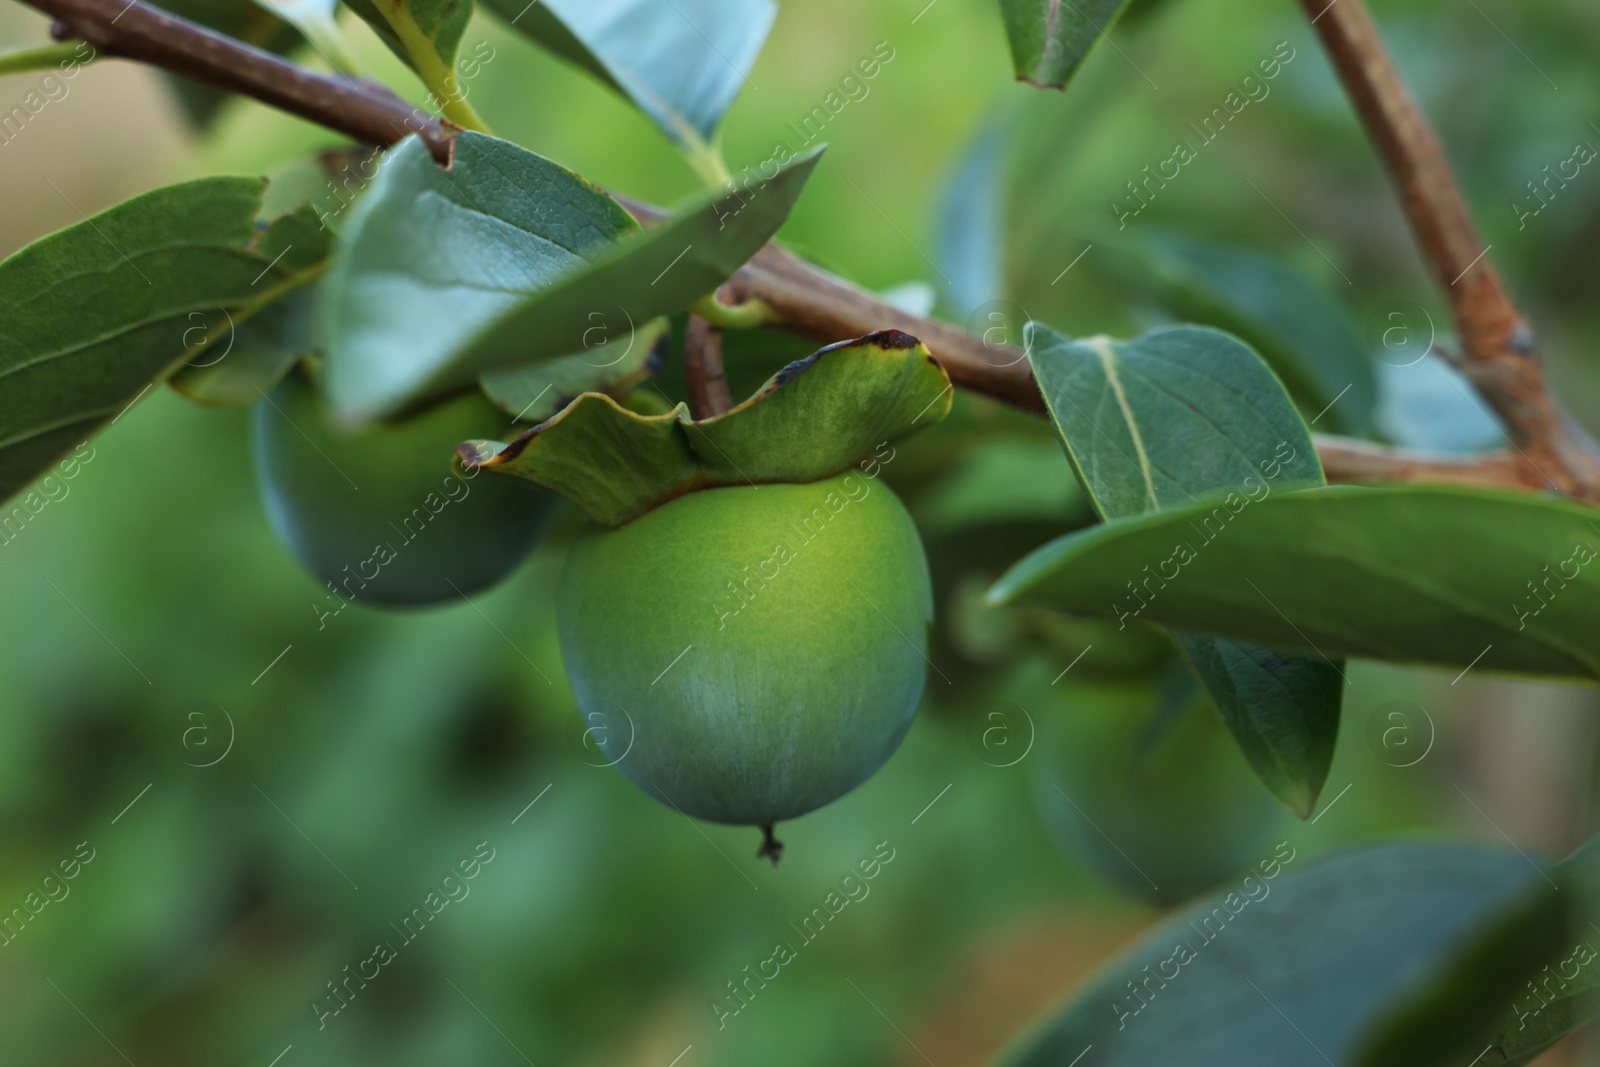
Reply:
x=813 y=419
x=535 y=391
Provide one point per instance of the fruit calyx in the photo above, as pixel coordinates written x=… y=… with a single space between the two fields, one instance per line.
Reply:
x=814 y=418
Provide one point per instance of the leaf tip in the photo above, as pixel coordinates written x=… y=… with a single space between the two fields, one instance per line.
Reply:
x=1047 y=83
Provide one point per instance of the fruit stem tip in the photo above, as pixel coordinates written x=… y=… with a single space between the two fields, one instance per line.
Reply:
x=771 y=848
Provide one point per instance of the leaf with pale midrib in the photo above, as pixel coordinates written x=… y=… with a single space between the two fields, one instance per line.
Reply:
x=94 y=314
x=1302 y=332
x=1156 y=422
x=507 y=258
x=1424 y=574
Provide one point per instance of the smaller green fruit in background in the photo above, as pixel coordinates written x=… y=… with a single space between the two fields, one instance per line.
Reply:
x=381 y=514
x=1156 y=800
x=761 y=648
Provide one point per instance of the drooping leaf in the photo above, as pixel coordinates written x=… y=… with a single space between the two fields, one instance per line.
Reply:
x=1176 y=415
x=1450 y=576
x=1291 y=967
x=681 y=63
x=424 y=33
x=815 y=418
x=91 y=316
x=505 y=258
x=1306 y=336
x=969 y=228
x=1049 y=38
x=1528 y=980
x=537 y=391
x=1283 y=710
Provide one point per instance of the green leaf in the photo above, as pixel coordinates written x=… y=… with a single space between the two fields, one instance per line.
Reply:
x=1527 y=981
x=424 y=33
x=681 y=63
x=613 y=463
x=442 y=275
x=1441 y=575
x=243 y=363
x=539 y=390
x=1306 y=336
x=813 y=419
x=1169 y=417
x=1282 y=709
x=1176 y=415
x=92 y=315
x=1049 y=38
x=1291 y=966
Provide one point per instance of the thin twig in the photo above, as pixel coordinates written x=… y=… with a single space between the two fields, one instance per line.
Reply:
x=362 y=109
x=703 y=376
x=1498 y=351
x=813 y=303
x=1345 y=459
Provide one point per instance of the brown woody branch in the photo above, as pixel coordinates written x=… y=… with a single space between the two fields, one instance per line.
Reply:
x=1498 y=355
x=363 y=109
x=1347 y=460
x=816 y=304
x=703 y=376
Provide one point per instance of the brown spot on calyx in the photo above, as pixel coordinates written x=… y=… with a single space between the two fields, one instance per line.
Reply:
x=794 y=370
x=471 y=457
x=888 y=340
x=892 y=340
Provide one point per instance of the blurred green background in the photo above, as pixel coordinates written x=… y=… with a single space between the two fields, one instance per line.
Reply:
x=154 y=624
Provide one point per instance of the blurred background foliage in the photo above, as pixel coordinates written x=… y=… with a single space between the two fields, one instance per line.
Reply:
x=356 y=762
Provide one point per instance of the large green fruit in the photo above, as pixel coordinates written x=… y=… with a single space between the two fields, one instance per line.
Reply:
x=755 y=652
x=1157 y=800
x=381 y=514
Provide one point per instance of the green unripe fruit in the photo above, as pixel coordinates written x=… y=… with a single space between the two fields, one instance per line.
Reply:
x=1161 y=809
x=380 y=514
x=755 y=652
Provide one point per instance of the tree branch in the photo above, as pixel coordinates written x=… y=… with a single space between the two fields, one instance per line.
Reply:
x=1498 y=352
x=814 y=303
x=1347 y=460
x=702 y=369
x=365 y=110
